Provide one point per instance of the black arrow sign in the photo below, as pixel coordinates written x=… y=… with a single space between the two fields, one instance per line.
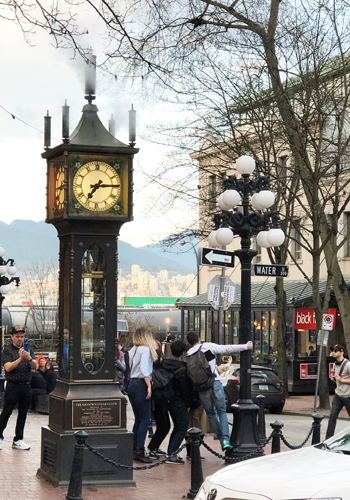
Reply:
x=216 y=257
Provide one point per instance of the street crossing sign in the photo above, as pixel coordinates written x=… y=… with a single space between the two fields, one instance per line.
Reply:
x=216 y=257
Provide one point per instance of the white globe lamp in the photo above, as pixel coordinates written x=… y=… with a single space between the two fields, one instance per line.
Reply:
x=266 y=199
x=212 y=240
x=231 y=198
x=3 y=269
x=262 y=239
x=276 y=237
x=2 y=251
x=221 y=202
x=224 y=236
x=12 y=270
x=255 y=202
x=245 y=164
x=4 y=289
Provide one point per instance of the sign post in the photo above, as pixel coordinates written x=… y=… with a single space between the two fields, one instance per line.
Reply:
x=322 y=341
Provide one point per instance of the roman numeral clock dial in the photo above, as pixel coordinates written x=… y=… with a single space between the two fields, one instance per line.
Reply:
x=97 y=186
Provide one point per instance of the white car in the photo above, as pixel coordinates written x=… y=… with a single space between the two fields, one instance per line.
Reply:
x=316 y=472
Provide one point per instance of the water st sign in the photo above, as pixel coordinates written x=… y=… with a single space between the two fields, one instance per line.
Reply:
x=274 y=270
x=216 y=257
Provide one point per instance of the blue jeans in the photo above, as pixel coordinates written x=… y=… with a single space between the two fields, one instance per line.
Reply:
x=137 y=392
x=179 y=415
x=213 y=401
x=337 y=405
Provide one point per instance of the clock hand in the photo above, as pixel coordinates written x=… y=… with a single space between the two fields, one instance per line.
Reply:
x=94 y=188
x=109 y=185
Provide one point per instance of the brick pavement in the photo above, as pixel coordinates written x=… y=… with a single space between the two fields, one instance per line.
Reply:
x=18 y=468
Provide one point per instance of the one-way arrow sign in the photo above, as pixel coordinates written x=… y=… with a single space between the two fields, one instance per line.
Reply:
x=218 y=258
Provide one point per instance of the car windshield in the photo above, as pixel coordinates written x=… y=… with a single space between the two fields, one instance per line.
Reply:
x=339 y=442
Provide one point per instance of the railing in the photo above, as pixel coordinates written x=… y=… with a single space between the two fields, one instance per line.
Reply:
x=195 y=440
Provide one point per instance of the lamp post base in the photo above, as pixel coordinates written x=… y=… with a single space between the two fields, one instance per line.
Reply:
x=244 y=436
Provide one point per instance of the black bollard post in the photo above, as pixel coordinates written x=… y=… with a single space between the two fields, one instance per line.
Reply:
x=276 y=439
x=261 y=418
x=316 y=435
x=196 y=463
x=75 y=487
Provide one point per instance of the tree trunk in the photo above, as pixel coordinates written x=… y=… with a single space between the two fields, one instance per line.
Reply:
x=281 y=305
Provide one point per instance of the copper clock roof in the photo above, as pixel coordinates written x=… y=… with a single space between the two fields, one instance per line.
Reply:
x=90 y=131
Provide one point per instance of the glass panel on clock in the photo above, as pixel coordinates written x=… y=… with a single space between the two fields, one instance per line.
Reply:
x=93 y=307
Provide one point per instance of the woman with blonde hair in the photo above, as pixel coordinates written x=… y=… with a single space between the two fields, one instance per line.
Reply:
x=141 y=358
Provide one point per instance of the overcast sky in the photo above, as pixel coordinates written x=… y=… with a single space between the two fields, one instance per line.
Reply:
x=40 y=78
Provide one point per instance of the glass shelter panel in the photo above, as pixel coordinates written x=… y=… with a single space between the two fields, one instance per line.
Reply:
x=93 y=307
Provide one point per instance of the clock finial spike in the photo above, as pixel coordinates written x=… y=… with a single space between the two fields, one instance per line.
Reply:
x=132 y=127
x=47 y=131
x=90 y=77
x=111 y=126
x=65 y=123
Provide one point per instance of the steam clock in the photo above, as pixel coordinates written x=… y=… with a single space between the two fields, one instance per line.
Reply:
x=89 y=197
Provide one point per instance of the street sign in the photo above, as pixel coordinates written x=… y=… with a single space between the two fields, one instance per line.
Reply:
x=276 y=271
x=327 y=323
x=216 y=257
x=228 y=293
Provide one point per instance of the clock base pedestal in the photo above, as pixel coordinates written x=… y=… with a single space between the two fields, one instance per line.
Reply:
x=100 y=411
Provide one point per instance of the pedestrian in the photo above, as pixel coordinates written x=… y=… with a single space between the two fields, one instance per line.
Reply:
x=213 y=398
x=174 y=399
x=120 y=367
x=341 y=377
x=18 y=360
x=65 y=351
x=141 y=358
x=50 y=376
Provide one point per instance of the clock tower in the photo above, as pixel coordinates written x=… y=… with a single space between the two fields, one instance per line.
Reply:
x=89 y=197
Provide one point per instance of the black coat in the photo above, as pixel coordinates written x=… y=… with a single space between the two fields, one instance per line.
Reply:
x=182 y=384
x=50 y=377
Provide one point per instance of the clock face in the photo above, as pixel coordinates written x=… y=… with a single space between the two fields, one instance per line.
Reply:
x=97 y=186
x=59 y=189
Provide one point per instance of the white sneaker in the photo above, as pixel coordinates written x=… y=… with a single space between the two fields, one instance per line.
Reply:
x=0 y=444
x=20 y=445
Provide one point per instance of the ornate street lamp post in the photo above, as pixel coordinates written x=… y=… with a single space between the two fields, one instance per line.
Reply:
x=246 y=224
x=182 y=243
x=4 y=289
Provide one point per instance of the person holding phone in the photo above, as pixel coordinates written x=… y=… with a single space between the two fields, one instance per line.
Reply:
x=18 y=361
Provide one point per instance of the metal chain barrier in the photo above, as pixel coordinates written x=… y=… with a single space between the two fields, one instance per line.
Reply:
x=232 y=459
x=131 y=467
x=313 y=425
x=267 y=440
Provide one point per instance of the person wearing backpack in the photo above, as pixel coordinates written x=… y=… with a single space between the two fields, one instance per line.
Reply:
x=202 y=370
x=172 y=390
x=341 y=377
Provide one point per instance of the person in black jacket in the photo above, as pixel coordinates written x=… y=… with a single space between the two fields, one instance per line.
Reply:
x=179 y=403
x=50 y=376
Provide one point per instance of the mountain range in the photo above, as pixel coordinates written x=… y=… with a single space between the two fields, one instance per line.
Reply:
x=27 y=241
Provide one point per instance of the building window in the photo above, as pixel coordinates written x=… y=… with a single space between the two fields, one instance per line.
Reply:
x=296 y=240
x=347 y=234
x=212 y=192
x=257 y=248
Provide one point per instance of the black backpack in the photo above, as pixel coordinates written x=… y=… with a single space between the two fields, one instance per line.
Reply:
x=163 y=384
x=199 y=371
